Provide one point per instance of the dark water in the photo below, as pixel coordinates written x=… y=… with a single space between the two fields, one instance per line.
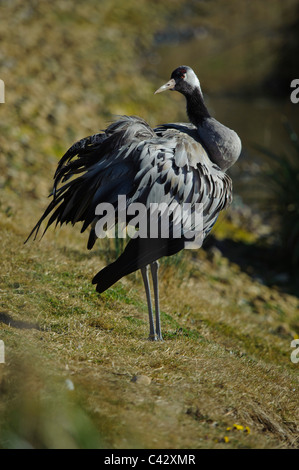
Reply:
x=258 y=122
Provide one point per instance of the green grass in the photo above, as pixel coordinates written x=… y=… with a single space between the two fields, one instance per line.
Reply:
x=281 y=200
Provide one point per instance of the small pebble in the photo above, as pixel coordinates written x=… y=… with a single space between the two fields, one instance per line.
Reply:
x=69 y=385
x=141 y=379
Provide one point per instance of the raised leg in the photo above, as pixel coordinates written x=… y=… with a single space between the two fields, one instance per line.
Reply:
x=154 y=270
x=144 y=272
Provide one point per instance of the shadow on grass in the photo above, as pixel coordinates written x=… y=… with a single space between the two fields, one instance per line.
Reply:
x=22 y=325
x=266 y=264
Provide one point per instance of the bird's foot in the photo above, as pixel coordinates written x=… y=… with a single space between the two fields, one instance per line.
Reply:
x=155 y=337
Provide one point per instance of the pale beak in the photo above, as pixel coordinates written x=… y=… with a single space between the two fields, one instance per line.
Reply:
x=168 y=86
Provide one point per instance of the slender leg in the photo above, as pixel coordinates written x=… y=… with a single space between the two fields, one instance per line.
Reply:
x=154 y=270
x=144 y=272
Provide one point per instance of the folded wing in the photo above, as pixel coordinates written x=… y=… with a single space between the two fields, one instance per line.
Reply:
x=165 y=165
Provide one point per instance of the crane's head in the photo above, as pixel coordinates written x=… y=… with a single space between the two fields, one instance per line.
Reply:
x=183 y=79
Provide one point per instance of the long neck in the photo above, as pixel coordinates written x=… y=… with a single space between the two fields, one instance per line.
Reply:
x=196 y=108
x=222 y=144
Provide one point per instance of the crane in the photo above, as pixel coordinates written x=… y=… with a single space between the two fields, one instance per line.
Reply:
x=176 y=163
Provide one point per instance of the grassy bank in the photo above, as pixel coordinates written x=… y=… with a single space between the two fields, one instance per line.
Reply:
x=71 y=355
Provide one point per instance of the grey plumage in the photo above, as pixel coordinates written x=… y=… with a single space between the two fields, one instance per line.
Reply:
x=222 y=144
x=177 y=162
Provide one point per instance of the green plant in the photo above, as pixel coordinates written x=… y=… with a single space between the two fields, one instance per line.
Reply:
x=280 y=178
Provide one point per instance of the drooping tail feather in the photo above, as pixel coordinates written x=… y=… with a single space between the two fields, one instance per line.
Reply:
x=138 y=253
x=91 y=239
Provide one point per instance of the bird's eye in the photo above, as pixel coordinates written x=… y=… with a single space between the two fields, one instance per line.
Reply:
x=182 y=73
